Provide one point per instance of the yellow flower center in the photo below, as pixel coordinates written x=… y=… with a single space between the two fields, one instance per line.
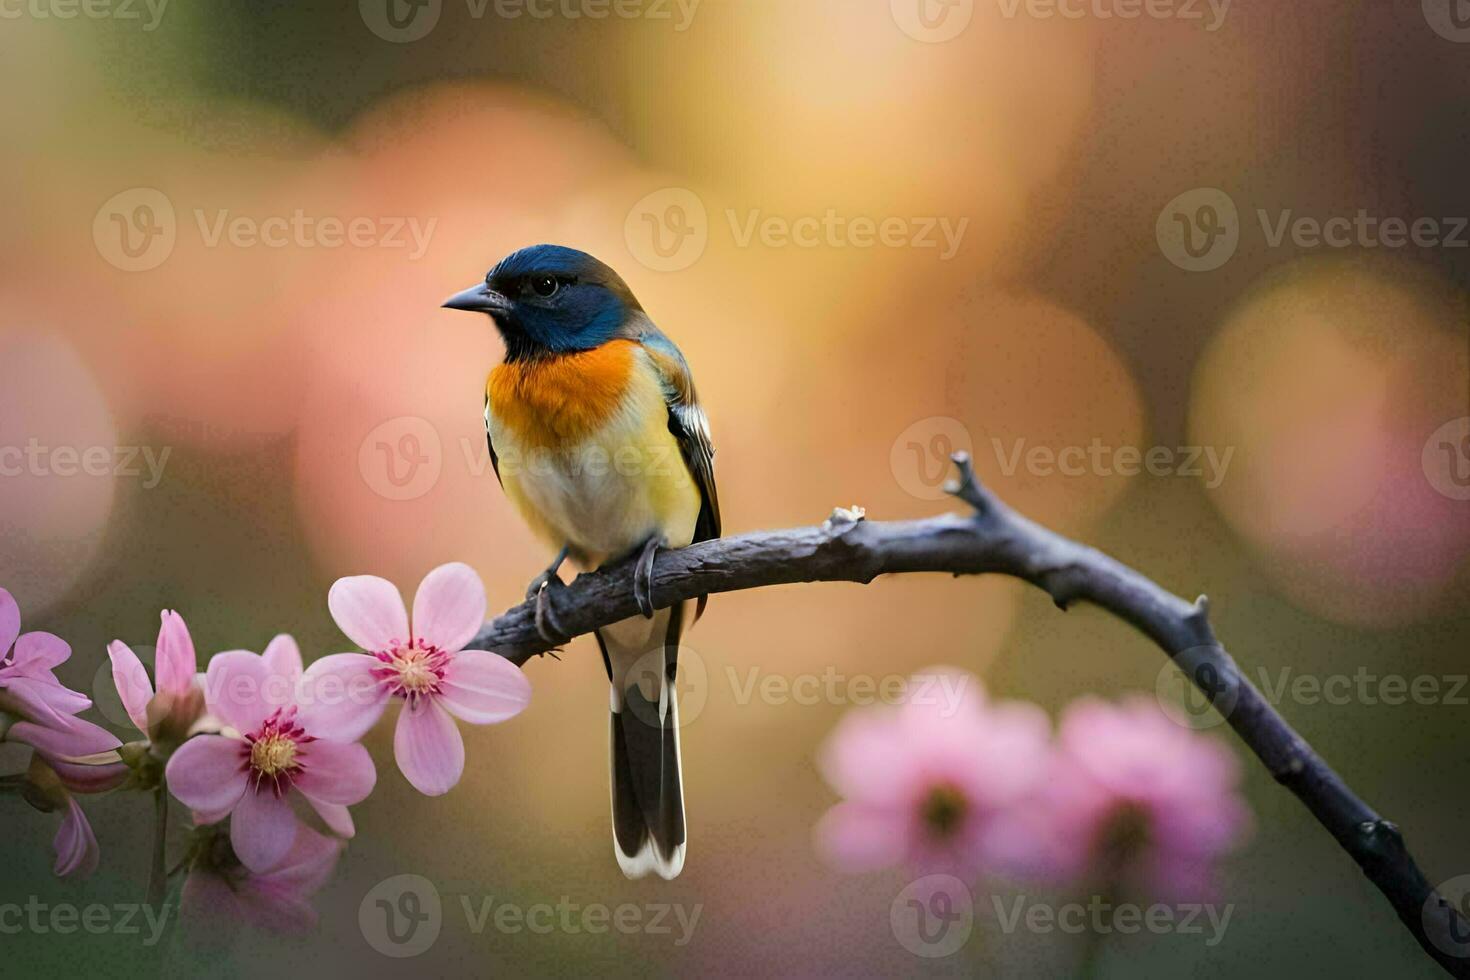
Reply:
x=273 y=754
x=416 y=673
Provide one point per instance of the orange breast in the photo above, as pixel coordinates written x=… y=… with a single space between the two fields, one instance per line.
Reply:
x=557 y=401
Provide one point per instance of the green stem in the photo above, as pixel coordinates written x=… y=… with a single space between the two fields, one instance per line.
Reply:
x=158 y=875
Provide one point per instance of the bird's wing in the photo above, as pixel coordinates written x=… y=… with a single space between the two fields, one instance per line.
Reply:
x=689 y=425
x=494 y=459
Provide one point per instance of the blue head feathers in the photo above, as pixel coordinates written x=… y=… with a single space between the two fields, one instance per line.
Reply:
x=549 y=298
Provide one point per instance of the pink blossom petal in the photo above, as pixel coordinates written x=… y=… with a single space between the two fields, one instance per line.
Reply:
x=76 y=739
x=306 y=867
x=84 y=778
x=9 y=622
x=76 y=845
x=174 y=662
x=428 y=747
x=283 y=657
x=207 y=774
x=858 y=838
x=340 y=698
x=867 y=759
x=449 y=608
x=44 y=700
x=131 y=679
x=38 y=652
x=370 y=611
x=203 y=818
x=337 y=818
x=262 y=829
x=236 y=690
x=277 y=901
x=482 y=688
x=335 y=772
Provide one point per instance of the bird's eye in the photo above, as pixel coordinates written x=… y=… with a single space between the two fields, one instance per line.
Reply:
x=545 y=286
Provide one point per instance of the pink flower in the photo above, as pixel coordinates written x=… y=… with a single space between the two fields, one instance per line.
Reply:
x=1139 y=802
x=221 y=893
x=42 y=711
x=170 y=714
x=250 y=775
x=932 y=782
x=28 y=688
x=75 y=844
x=424 y=666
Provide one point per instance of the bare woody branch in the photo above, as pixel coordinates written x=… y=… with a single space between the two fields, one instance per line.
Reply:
x=997 y=540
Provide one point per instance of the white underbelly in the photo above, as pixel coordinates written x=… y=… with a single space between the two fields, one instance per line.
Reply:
x=608 y=494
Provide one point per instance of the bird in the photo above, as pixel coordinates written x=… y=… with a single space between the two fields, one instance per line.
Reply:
x=599 y=441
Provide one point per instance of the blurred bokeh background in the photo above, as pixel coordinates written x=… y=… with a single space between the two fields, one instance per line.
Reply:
x=209 y=268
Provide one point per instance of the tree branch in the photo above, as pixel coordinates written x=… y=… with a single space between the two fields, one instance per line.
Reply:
x=997 y=540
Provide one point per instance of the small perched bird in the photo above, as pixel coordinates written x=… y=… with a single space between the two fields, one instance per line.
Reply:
x=599 y=441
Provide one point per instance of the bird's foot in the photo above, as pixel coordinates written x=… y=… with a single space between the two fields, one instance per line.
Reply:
x=643 y=576
x=545 y=578
x=547 y=625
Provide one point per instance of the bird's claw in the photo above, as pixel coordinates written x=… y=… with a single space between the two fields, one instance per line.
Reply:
x=542 y=581
x=546 y=623
x=643 y=577
x=549 y=575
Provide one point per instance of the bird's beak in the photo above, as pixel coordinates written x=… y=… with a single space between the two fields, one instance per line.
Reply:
x=479 y=298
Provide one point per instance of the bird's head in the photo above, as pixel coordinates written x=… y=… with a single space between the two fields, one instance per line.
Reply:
x=550 y=299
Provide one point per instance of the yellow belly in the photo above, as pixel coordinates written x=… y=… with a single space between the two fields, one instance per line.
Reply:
x=602 y=481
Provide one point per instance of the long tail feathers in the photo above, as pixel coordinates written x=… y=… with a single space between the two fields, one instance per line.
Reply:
x=647 y=781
